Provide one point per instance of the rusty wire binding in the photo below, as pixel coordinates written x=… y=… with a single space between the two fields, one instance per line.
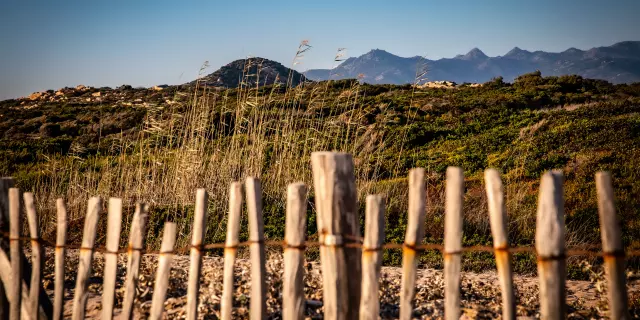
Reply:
x=356 y=242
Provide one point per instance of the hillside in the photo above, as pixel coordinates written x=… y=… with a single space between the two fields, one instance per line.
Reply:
x=160 y=145
x=251 y=71
x=619 y=63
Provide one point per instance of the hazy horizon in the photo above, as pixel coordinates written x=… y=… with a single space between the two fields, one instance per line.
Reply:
x=49 y=46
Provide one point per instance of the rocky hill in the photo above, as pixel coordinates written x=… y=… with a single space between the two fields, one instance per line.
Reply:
x=619 y=63
x=251 y=71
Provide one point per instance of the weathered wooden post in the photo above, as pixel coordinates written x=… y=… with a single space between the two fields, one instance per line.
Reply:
x=612 y=248
x=136 y=242
x=412 y=238
x=336 y=203
x=230 y=250
x=37 y=256
x=256 y=237
x=195 y=265
x=293 y=301
x=45 y=307
x=5 y=184
x=61 y=241
x=550 y=246
x=15 y=291
x=372 y=257
x=453 y=242
x=114 y=225
x=164 y=271
x=498 y=220
x=86 y=256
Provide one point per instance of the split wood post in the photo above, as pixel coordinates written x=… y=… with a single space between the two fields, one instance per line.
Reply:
x=412 y=238
x=230 y=249
x=612 y=247
x=37 y=256
x=163 y=272
x=5 y=184
x=45 y=308
x=293 y=302
x=335 y=194
x=61 y=241
x=453 y=242
x=114 y=224
x=86 y=256
x=372 y=257
x=498 y=220
x=15 y=291
x=258 y=305
x=550 y=246
x=136 y=244
x=197 y=238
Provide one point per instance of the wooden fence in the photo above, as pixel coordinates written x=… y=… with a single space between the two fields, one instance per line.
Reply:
x=350 y=264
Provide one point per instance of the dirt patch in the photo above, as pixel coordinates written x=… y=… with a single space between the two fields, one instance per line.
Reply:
x=481 y=297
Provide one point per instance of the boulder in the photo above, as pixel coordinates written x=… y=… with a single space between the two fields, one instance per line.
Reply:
x=36 y=96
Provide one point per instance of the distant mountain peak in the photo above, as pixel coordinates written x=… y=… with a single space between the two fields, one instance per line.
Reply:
x=249 y=71
x=474 y=54
x=619 y=63
x=517 y=53
x=378 y=53
x=573 y=50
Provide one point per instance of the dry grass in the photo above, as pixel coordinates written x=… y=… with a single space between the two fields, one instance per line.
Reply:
x=219 y=136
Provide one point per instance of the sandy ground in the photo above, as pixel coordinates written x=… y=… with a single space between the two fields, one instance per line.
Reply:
x=480 y=291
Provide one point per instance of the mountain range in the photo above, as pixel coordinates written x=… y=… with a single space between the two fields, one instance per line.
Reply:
x=619 y=63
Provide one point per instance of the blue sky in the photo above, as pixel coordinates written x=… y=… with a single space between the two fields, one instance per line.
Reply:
x=49 y=45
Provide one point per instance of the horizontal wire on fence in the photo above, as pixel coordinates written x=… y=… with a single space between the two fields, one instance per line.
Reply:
x=585 y=250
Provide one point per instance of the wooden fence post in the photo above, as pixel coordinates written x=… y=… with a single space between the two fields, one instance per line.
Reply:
x=550 y=246
x=136 y=243
x=412 y=238
x=453 y=242
x=16 y=246
x=256 y=238
x=5 y=184
x=86 y=255
x=61 y=241
x=37 y=256
x=613 y=249
x=293 y=301
x=163 y=272
x=197 y=238
x=45 y=308
x=335 y=194
x=114 y=224
x=498 y=220
x=372 y=257
x=230 y=250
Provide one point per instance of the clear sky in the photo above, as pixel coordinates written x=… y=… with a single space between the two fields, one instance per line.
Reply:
x=52 y=44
